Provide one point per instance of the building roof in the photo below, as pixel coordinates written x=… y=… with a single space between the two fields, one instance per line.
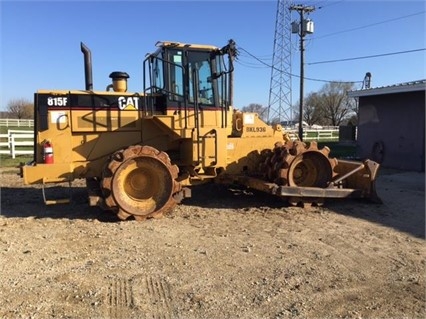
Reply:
x=419 y=85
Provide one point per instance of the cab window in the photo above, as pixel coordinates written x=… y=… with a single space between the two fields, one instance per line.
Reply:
x=200 y=68
x=176 y=74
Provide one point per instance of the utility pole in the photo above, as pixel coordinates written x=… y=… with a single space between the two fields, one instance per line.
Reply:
x=302 y=28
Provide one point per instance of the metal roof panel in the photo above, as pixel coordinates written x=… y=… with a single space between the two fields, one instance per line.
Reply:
x=418 y=85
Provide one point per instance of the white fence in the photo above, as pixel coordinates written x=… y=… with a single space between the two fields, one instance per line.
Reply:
x=316 y=135
x=17 y=122
x=17 y=142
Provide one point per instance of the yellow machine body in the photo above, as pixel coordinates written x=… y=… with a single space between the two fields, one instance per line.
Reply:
x=138 y=151
x=84 y=139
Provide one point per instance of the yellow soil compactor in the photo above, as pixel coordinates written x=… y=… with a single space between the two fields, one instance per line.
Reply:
x=140 y=152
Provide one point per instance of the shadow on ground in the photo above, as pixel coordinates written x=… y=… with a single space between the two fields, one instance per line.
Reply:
x=403 y=205
x=403 y=208
x=28 y=202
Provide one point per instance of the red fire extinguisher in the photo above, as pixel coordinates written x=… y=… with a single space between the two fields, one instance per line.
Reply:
x=48 y=152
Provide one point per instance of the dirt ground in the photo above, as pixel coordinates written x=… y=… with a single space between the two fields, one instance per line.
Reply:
x=225 y=253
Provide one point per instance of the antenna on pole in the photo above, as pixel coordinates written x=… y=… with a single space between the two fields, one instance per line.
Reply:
x=366 y=84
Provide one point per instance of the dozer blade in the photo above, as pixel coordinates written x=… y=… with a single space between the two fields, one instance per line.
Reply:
x=357 y=175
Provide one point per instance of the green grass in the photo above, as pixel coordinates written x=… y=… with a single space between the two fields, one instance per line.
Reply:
x=4 y=129
x=339 y=150
x=8 y=161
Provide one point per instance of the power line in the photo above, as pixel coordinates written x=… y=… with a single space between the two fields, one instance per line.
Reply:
x=247 y=61
x=327 y=3
x=317 y=3
x=251 y=65
x=369 y=25
x=293 y=75
x=330 y=4
x=247 y=58
x=367 y=56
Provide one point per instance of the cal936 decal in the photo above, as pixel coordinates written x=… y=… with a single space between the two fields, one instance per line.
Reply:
x=255 y=129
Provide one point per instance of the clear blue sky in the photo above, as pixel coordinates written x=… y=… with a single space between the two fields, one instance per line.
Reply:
x=40 y=41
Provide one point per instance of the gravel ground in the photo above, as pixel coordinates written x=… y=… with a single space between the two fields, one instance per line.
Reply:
x=225 y=253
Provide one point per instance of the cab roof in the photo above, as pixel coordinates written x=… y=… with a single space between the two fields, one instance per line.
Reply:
x=174 y=44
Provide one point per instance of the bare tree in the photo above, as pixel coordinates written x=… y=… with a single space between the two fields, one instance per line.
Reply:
x=313 y=114
x=330 y=105
x=21 y=109
x=335 y=105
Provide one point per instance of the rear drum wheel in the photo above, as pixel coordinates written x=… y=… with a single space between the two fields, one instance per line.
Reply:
x=310 y=169
x=298 y=165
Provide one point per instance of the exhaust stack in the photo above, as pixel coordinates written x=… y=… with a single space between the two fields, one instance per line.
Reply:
x=87 y=67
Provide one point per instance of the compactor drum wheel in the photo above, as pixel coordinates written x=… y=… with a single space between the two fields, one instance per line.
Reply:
x=295 y=164
x=140 y=181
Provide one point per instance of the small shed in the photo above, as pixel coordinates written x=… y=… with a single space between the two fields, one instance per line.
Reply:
x=391 y=125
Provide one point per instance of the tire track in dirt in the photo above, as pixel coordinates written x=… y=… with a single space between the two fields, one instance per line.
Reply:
x=140 y=297
x=119 y=298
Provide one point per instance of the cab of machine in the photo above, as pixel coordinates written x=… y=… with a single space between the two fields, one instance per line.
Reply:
x=186 y=76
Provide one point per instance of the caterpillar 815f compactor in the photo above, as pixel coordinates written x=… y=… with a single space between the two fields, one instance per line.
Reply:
x=140 y=152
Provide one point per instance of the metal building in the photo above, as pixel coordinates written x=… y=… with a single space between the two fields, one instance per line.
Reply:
x=391 y=125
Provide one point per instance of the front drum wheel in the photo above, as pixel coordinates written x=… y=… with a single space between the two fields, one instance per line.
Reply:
x=140 y=181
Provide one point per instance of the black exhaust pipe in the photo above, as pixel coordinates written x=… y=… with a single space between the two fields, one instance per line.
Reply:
x=87 y=67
